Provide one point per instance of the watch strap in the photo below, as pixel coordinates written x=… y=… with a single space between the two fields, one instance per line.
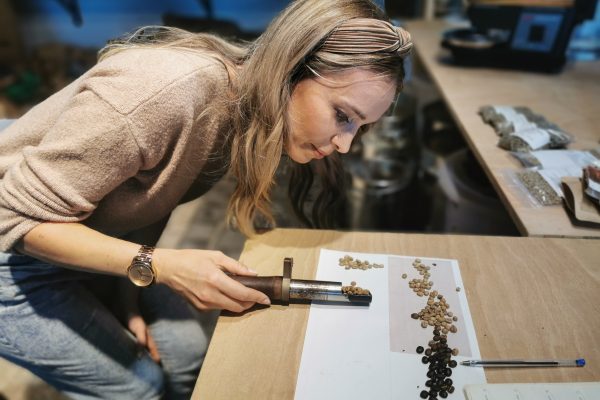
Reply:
x=145 y=255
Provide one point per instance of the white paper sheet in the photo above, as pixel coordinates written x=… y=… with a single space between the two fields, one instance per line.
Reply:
x=355 y=352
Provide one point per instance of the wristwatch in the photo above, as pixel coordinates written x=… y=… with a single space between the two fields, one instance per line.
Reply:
x=140 y=271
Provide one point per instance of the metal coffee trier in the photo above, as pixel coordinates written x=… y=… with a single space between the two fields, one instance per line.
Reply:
x=285 y=290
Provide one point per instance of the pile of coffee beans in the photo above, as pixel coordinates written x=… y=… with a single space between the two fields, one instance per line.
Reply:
x=436 y=314
x=353 y=289
x=421 y=286
x=350 y=263
x=439 y=357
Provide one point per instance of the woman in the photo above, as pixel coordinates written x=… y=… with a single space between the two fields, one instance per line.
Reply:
x=90 y=176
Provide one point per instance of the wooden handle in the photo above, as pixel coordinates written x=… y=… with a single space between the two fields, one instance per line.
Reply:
x=269 y=285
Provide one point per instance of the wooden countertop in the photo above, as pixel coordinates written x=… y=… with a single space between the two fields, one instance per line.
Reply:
x=569 y=99
x=529 y=298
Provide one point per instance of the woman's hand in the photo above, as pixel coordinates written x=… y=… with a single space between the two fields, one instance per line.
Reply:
x=199 y=276
x=126 y=308
x=137 y=326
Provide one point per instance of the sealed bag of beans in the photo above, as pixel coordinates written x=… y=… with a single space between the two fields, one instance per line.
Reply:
x=522 y=130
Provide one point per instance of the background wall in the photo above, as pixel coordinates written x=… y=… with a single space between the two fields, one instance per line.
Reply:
x=49 y=21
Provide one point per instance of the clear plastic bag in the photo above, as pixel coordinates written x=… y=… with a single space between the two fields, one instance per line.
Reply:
x=565 y=159
x=522 y=130
x=538 y=187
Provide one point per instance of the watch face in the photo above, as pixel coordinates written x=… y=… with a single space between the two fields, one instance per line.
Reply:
x=140 y=274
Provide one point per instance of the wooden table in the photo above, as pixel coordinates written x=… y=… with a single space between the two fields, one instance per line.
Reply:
x=570 y=99
x=529 y=298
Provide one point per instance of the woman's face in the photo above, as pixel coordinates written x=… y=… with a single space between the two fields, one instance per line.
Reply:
x=325 y=112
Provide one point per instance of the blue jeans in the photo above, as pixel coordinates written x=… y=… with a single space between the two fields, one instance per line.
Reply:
x=54 y=324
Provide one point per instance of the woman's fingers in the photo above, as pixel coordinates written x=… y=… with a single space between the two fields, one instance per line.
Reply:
x=234 y=289
x=222 y=301
x=152 y=348
x=232 y=265
x=210 y=297
x=137 y=326
x=238 y=292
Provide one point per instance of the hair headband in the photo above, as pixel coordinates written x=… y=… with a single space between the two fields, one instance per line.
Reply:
x=368 y=35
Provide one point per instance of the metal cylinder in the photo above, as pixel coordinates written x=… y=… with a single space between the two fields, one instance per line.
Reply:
x=317 y=290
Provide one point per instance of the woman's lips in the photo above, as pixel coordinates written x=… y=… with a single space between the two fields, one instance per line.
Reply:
x=317 y=153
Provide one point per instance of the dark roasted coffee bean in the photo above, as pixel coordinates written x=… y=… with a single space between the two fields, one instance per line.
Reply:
x=448 y=381
x=430 y=374
x=428 y=383
x=424 y=394
x=419 y=349
x=428 y=352
x=451 y=389
x=448 y=372
x=452 y=364
x=425 y=359
x=443 y=394
x=414 y=315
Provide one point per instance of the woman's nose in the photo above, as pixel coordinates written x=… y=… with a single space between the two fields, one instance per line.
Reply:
x=342 y=142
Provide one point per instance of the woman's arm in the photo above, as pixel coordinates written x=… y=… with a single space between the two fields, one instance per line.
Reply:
x=196 y=274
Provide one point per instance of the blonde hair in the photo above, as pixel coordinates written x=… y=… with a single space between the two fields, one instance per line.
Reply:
x=292 y=48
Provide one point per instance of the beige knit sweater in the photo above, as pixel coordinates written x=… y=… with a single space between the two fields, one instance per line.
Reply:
x=119 y=148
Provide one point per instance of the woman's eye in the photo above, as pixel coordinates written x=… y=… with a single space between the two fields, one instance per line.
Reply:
x=341 y=117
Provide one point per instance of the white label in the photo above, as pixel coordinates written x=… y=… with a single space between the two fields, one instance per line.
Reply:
x=554 y=177
x=535 y=138
x=564 y=158
x=518 y=120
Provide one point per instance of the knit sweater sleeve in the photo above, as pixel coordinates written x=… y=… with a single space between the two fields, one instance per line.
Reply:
x=83 y=156
x=107 y=131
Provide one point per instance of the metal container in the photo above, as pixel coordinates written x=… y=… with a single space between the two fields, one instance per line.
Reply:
x=384 y=169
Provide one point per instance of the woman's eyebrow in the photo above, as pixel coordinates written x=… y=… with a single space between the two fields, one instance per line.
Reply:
x=355 y=110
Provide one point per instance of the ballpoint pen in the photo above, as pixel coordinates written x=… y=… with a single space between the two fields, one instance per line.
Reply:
x=580 y=362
